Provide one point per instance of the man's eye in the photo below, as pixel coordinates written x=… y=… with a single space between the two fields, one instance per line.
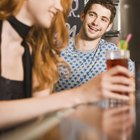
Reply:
x=91 y=14
x=105 y=20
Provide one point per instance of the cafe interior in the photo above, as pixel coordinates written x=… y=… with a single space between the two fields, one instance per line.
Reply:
x=104 y=120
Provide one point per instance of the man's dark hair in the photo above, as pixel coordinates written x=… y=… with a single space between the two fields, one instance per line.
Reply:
x=106 y=3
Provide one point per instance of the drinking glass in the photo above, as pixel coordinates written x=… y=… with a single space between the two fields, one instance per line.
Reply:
x=118 y=57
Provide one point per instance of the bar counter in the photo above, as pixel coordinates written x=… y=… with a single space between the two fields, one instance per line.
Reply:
x=103 y=120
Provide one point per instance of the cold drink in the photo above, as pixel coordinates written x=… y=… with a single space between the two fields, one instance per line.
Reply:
x=114 y=62
x=114 y=58
x=119 y=57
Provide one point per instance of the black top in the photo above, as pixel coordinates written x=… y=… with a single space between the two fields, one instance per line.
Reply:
x=12 y=89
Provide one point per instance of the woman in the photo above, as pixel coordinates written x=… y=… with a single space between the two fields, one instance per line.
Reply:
x=22 y=63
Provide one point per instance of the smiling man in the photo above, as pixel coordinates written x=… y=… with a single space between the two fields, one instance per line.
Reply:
x=86 y=51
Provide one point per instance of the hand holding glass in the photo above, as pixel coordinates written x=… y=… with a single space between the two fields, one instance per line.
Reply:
x=118 y=57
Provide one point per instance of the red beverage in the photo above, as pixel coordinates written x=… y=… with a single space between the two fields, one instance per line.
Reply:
x=114 y=62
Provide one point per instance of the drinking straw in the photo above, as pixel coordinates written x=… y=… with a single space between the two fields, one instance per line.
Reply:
x=125 y=46
x=122 y=42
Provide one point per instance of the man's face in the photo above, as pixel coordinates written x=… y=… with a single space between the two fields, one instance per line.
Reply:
x=96 y=22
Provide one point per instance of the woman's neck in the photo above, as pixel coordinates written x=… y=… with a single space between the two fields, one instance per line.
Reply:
x=7 y=29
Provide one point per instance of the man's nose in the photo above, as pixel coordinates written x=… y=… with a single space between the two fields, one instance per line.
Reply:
x=96 y=21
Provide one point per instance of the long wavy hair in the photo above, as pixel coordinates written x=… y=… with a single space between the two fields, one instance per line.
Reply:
x=46 y=44
x=9 y=7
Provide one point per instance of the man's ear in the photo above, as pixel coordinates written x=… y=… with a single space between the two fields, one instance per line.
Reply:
x=109 y=27
x=82 y=16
